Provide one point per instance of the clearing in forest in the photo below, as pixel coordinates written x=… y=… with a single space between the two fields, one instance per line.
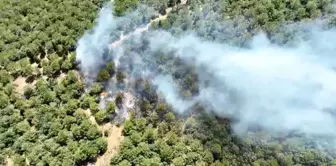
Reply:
x=114 y=139
x=20 y=83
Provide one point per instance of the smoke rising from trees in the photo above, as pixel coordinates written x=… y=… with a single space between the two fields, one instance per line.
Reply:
x=278 y=88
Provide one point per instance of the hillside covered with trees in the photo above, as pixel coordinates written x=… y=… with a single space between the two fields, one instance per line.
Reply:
x=46 y=109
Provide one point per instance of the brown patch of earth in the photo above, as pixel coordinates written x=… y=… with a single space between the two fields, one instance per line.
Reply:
x=61 y=77
x=114 y=139
x=20 y=83
x=140 y=30
x=91 y=117
x=9 y=162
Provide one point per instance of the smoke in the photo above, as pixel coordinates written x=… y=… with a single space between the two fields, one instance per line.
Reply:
x=93 y=45
x=279 y=88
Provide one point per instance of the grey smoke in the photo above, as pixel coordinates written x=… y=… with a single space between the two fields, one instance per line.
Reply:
x=278 y=88
x=282 y=89
x=91 y=46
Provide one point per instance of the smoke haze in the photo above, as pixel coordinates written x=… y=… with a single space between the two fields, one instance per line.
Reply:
x=279 y=88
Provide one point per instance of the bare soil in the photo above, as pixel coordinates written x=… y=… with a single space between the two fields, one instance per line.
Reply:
x=91 y=117
x=20 y=83
x=61 y=77
x=9 y=162
x=114 y=139
x=141 y=30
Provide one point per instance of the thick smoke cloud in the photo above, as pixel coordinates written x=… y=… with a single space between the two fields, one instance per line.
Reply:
x=280 y=89
x=93 y=45
x=277 y=88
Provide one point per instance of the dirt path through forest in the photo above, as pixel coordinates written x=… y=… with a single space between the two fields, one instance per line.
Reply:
x=140 y=30
x=114 y=139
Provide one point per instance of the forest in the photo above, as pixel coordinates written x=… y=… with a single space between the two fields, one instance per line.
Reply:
x=50 y=116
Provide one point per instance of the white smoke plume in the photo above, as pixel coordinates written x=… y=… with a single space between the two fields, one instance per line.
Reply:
x=92 y=45
x=281 y=89
x=278 y=88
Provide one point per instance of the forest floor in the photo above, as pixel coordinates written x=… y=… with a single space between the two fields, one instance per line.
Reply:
x=114 y=138
x=20 y=83
x=141 y=29
x=9 y=162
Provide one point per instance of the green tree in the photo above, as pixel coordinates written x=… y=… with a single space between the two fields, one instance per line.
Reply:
x=4 y=100
x=155 y=161
x=119 y=99
x=66 y=65
x=96 y=88
x=179 y=161
x=123 y=6
x=101 y=116
x=120 y=77
x=103 y=75
x=26 y=67
x=110 y=67
x=48 y=96
x=110 y=108
x=5 y=77
x=28 y=91
x=125 y=163
x=165 y=24
x=87 y=100
x=94 y=107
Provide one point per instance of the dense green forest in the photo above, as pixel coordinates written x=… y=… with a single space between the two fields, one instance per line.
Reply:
x=47 y=122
